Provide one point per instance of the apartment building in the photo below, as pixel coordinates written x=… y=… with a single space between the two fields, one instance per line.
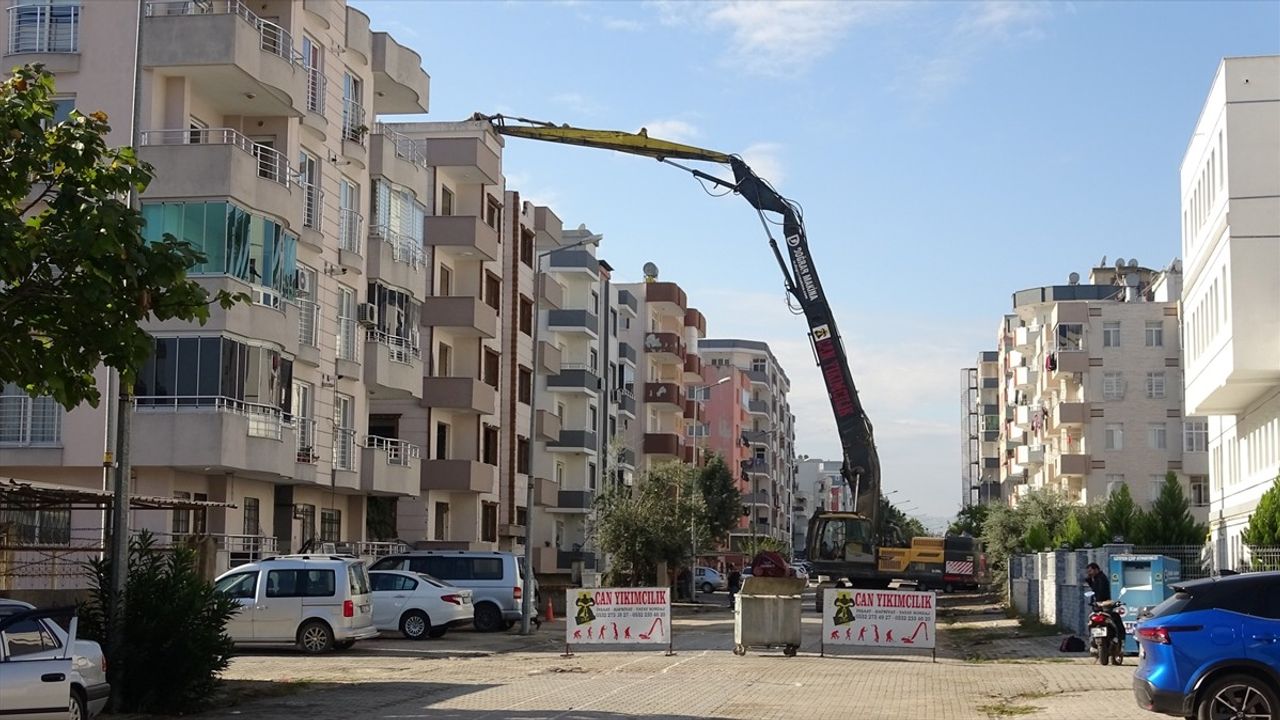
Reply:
x=980 y=423
x=270 y=160
x=1230 y=189
x=1090 y=394
x=767 y=431
x=822 y=478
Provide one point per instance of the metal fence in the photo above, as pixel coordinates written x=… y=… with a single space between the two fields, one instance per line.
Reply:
x=1196 y=560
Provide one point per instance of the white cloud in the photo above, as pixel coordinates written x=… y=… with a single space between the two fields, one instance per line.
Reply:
x=763 y=158
x=673 y=130
x=623 y=24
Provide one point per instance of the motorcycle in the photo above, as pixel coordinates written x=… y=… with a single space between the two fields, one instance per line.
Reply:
x=1106 y=638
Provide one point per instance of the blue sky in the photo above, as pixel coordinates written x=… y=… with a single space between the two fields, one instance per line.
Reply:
x=946 y=154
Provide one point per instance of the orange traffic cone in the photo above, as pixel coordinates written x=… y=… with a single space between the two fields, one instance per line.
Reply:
x=551 y=614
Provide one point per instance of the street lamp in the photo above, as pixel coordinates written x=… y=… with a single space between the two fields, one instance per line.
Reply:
x=693 y=532
x=526 y=604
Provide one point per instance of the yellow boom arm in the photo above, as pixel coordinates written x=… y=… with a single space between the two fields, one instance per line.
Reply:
x=634 y=143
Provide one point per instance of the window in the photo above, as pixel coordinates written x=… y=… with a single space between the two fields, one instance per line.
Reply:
x=446 y=201
x=1114 y=481
x=1199 y=491
x=492 y=290
x=308 y=307
x=492 y=211
x=238 y=586
x=444 y=360
x=252 y=520
x=1113 y=386
x=182 y=518
x=344 y=432
x=1115 y=436
x=1155 y=333
x=1155 y=385
x=303 y=403
x=301 y=583
x=445 y=286
x=386 y=582
x=559 y=473
x=488 y=522
x=28 y=637
x=757 y=364
x=313 y=62
x=1070 y=336
x=442 y=441
x=346 y=324
x=307 y=514
x=349 y=216
x=526 y=248
x=591 y=476
x=613 y=322
x=25 y=420
x=441 y=521
x=398 y=319
x=330 y=525
x=522 y=455
x=353 y=127
x=1195 y=435
x=595 y=302
x=44 y=26
x=309 y=179
x=526 y=316
x=524 y=385
x=492 y=361
x=1155 y=483
x=1111 y=333
x=1157 y=436
x=489 y=445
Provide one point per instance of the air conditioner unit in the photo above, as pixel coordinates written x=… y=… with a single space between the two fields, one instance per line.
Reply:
x=367 y=314
x=300 y=283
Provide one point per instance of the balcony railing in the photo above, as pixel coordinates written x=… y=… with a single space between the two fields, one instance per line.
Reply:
x=274 y=39
x=404 y=249
x=399 y=452
x=344 y=448
x=349 y=230
x=317 y=84
x=308 y=321
x=265 y=421
x=353 y=127
x=272 y=164
x=403 y=350
x=306 y=440
x=44 y=29
x=406 y=147
x=347 y=340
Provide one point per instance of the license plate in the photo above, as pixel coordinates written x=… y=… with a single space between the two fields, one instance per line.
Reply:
x=1098 y=632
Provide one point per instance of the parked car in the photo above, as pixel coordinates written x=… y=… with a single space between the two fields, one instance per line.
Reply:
x=496 y=580
x=1211 y=650
x=46 y=672
x=709 y=580
x=317 y=602
x=417 y=606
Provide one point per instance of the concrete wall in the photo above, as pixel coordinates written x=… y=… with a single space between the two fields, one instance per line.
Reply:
x=1050 y=586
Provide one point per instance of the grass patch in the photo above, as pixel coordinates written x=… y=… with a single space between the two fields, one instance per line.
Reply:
x=1005 y=708
x=1032 y=627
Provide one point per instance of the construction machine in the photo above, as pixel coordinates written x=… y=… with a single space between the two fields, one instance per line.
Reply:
x=848 y=548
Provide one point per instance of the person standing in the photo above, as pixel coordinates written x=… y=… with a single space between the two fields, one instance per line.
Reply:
x=735 y=582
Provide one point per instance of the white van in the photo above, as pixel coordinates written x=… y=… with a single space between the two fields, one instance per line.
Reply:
x=496 y=580
x=317 y=602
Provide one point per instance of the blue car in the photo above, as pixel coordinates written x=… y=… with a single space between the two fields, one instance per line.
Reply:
x=1212 y=650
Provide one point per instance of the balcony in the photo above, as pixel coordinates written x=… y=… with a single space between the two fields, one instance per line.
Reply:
x=575 y=500
x=757 y=498
x=1025 y=378
x=756 y=466
x=545 y=492
x=582 y=322
x=354 y=131
x=392 y=365
x=235 y=60
x=756 y=437
x=548 y=226
x=693 y=318
x=628 y=304
x=692 y=368
x=667 y=298
x=221 y=163
x=544 y=559
x=1070 y=413
x=1029 y=455
x=574 y=378
x=1025 y=338
x=627 y=458
x=390 y=467
x=459 y=476
x=574 y=441
x=548 y=425
x=400 y=85
x=1022 y=416
x=664 y=347
x=574 y=261
x=268 y=316
x=396 y=259
x=214 y=434
x=665 y=445
x=566 y=559
x=692 y=455
x=550 y=357
x=758 y=407
x=627 y=353
x=552 y=293
x=463 y=316
x=1067 y=362
x=627 y=403
x=459 y=393
x=463 y=236
x=668 y=394
x=694 y=410
x=44 y=33
x=400 y=159
x=1074 y=464
x=467 y=159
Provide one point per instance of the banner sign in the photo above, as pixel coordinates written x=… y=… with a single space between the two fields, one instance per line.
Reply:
x=604 y=616
x=879 y=618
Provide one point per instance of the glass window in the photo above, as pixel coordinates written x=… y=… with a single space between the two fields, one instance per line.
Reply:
x=1070 y=336
x=29 y=637
x=1157 y=436
x=1111 y=333
x=240 y=585
x=486 y=568
x=1195 y=435
x=252 y=518
x=1113 y=386
x=330 y=525
x=1155 y=333
x=1155 y=385
x=357 y=579
x=384 y=582
x=1115 y=436
x=300 y=583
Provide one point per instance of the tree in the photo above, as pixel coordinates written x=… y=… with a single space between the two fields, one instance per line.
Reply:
x=76 y=275
x=1169 y=522
x=1263 y=530
x=969 y=520
x=642 y=526
x=1121 y=516
x=721 y=501
x=1037 y=537
x=1005 y=530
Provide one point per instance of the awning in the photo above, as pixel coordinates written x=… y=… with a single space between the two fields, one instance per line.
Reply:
x=18 y=494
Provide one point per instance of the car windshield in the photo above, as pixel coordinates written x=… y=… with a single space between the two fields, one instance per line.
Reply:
x=357 y=579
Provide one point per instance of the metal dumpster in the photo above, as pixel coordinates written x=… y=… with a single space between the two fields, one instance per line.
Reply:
x=766 y=614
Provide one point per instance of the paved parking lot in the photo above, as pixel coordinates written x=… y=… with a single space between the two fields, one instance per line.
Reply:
x=984 y=670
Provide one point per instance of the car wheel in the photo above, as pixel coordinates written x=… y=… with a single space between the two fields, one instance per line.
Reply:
x=1237 y=696
x=415 y=625
x=314 y=638
x=708 y=588
x=488 y=618
x=436 y=632
x=78 y=709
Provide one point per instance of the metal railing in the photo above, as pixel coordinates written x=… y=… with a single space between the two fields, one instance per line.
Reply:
x=317 y=83
x=44 y=29
x=404 y=249
x=406 y=147
x=311 y=195
x=30 y=422
x=272 y=164
x=378 y=549
x=399 y=452
x=344 y=448
x=273 y=38
x=347 y=340
x=577 y=366
x=403 y=350
x=306 y=440
x=308 y=322
x=349 y=230
x=265 y=421
x=353 y=127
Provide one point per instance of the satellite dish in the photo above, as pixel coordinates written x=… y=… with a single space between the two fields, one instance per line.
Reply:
x=1119 y=263
x=1074 y=278
x=1133 y=262
x=1131 y=279
x=650 y=270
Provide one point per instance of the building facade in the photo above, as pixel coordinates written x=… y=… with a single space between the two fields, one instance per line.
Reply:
x=980 y=421
x=1230 y=189
x=1090 y=394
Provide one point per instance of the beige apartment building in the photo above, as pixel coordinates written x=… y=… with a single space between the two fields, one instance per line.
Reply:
x=1091 y=393
x=980 y=430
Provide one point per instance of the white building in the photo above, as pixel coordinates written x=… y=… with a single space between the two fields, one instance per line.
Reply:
x=1230 y=183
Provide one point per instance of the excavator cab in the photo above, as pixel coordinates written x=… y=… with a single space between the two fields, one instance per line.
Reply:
x=840 y=539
